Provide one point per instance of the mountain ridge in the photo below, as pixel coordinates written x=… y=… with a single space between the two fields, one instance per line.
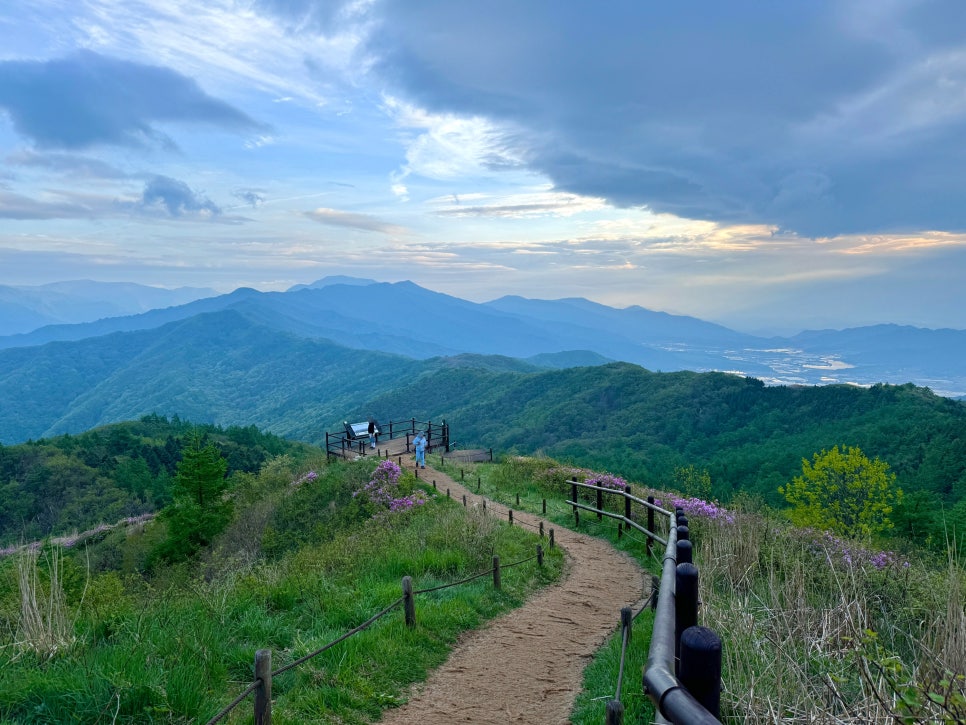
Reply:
x=405 y=319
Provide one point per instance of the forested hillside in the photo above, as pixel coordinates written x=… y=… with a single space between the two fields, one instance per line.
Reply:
x=75 y=482
x=216 y=368
x=750 y=437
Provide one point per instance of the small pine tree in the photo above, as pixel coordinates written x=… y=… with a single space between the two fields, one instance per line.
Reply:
x=844 y=492
x=200 y=510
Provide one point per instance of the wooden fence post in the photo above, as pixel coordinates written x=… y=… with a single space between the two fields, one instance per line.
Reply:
x=576 y=518
x=409 y=601
x=685 y=603
x=539 y=555
x=573 y=495
x=496 y=572
x=685 y=552
x=650 y=523
x=511 y=516
x=627 y=621
x=464 y=500
x=701 y=667
x=263 y=693
x=545 y=507
x=551 y=538
x=615 y=713
x=600 y=505
x=518 y=500
x=541 y=529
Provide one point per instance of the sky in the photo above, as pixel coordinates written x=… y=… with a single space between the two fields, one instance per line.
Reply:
x=770 y=166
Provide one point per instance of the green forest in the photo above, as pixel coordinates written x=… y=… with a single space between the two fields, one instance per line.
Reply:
x=749 y=437
x=73 y=482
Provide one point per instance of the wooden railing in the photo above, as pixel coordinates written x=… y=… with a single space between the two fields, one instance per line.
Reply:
x=437 y=436
x=683 y=672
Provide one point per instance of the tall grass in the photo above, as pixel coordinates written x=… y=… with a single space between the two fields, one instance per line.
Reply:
x=815 y=629
x=45 y=627
x=812 y=633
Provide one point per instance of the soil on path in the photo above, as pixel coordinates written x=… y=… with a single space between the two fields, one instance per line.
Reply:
x=527 y=666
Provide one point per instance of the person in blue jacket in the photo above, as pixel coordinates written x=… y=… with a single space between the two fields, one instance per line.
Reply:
x=420 y=443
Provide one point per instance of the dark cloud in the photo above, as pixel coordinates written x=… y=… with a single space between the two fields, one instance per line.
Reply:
x=87 y=99
x=176 y=198
x=824 y=117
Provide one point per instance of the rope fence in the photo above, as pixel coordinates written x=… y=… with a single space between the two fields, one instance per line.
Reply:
x=262 y=684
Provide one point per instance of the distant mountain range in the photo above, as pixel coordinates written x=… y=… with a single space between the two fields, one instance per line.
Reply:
x=23 y=309
x=406 y=319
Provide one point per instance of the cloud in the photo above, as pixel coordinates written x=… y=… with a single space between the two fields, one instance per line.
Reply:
x=252 y=197
x=334 y=217
x=77 y=166
x=86 y=100
x=521 y=206
x=17 y=206
x=826 y=117
x=176 y=199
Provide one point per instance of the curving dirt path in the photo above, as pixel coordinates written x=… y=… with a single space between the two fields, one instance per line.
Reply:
x=527 y=666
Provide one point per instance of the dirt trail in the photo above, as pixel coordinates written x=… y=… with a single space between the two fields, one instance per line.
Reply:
x=527 y=666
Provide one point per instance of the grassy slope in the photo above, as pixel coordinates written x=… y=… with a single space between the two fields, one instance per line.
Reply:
x=178 y=644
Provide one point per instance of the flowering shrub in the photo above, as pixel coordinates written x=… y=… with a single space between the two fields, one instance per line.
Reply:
x=383 y=489
x=605 y=480
x=562 y=474
x=699 y=507
x=836 y=550
x=306 y=478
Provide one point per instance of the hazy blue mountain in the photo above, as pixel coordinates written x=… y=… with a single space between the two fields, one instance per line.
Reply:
x=128 y=323
x=331 y=280
x=635 y=323
x=406 y=319
x=26 y=308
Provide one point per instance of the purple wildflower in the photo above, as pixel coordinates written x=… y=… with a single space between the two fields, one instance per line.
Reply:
x=705 y=509
x=605 y=480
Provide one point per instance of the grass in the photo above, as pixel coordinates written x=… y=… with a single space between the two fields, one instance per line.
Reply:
x=813 y=629
x=178 y=643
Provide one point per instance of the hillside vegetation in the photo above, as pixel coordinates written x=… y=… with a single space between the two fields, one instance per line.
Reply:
x=72 y=483
x=749 y=437
x=109 y=631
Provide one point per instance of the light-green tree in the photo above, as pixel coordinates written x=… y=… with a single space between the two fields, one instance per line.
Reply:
x=200 y=510
x=844 y=492
x=693 y=482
